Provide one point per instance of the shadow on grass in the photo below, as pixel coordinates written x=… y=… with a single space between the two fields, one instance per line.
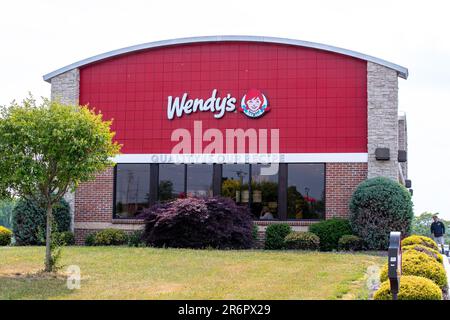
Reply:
x=36 y=286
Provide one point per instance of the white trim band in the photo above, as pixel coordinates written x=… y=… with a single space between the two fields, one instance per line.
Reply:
x=241 y=158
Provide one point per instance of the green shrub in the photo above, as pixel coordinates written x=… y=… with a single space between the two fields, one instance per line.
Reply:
x=255 y=232
x=416 y=239
x=411 y=288
x=329 y=232
x=90 y=239
x=378 y=206
x=5 y=236
x=302 y=241
x=29 y=221
x=275 y=234
x=65 y=238
x=428 y=251
x=350 y=242
x=134 y=239
x=416 y=263
x=110 y=237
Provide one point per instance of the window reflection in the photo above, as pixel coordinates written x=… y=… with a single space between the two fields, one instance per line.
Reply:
x=132 y=189
x=171 y=182
x=199 y=180
x=235 y=179
x=265 y=193
x=306 y=191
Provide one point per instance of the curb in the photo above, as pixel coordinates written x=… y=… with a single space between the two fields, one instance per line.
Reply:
x=447 y=271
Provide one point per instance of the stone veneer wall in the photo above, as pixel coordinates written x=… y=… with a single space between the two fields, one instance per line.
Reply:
x=403 y=142
x=66 y=89
x=382 y=119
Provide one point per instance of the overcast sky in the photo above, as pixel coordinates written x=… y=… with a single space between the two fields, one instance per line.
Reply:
x=37 y=37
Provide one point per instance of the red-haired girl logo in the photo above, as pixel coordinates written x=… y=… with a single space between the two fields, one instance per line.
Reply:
x=254 y=104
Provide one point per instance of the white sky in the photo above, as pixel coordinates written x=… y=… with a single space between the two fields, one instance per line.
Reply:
x=37 y=37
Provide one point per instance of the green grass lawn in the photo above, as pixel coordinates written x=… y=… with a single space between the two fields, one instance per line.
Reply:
x=148 y=273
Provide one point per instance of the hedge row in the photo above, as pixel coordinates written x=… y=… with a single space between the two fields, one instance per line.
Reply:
x=423 y=274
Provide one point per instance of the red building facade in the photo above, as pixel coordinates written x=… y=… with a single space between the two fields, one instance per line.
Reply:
x=312 y=109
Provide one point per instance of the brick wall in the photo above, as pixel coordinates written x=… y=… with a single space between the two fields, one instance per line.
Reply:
x=94 y=199
x=341 y=181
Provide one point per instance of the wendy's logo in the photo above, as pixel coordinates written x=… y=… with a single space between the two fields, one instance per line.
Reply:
x=254 y=104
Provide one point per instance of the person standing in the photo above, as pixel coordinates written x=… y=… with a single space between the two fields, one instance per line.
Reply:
x=438 y=230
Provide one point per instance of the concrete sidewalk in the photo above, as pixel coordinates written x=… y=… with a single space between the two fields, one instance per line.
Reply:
x=447 y=271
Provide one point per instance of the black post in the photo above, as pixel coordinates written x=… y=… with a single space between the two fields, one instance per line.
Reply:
x=394 y=263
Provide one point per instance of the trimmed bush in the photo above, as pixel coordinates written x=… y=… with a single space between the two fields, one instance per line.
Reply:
x=199 y=223
x=302 y=241
x=110 y=237
x=275 y=235
x=29 y=221
x=411 y=288
x=134 y=239
x=65 y=238
x=5 y=236
x=378 y=206
x=428 y=251
x=90 y=239
x=350 y=242
x=422 y=240
x=330 y=231
x=416 y=263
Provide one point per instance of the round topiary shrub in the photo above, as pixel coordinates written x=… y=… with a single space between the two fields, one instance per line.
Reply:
x=330 y=231
x=302 y=241
x=275 y=235
x=416 y=263
x=350 y=242
x=110 y=237
x=199 y=223
x=416 y=239
x=29 y=221
x=5 y=236
x=411 y=288
x=377 y=207
x=428 y=251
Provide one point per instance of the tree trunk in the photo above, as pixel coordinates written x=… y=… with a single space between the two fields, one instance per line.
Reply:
x=48 y=239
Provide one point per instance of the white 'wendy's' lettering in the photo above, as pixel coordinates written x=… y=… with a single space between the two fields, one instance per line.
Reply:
x=178 y=106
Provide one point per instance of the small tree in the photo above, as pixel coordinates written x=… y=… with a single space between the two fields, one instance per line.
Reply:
x=47 y=149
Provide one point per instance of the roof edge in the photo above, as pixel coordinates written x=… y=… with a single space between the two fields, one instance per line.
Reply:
x=401 y=71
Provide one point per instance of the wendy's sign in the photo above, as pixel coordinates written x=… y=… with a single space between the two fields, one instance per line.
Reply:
x=253 y=104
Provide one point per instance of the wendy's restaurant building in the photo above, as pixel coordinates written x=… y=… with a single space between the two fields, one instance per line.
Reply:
x=286 y=127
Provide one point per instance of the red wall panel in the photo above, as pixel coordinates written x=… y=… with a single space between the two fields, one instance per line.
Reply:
x=317 y=99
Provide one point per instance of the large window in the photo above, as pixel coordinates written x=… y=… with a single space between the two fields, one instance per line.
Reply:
x=132 y=189
x=265 y=192
x=171 y=182
x=235 y=179
x=199 y=180
x=295 y=191
x=261 y=195
x=306 y=191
